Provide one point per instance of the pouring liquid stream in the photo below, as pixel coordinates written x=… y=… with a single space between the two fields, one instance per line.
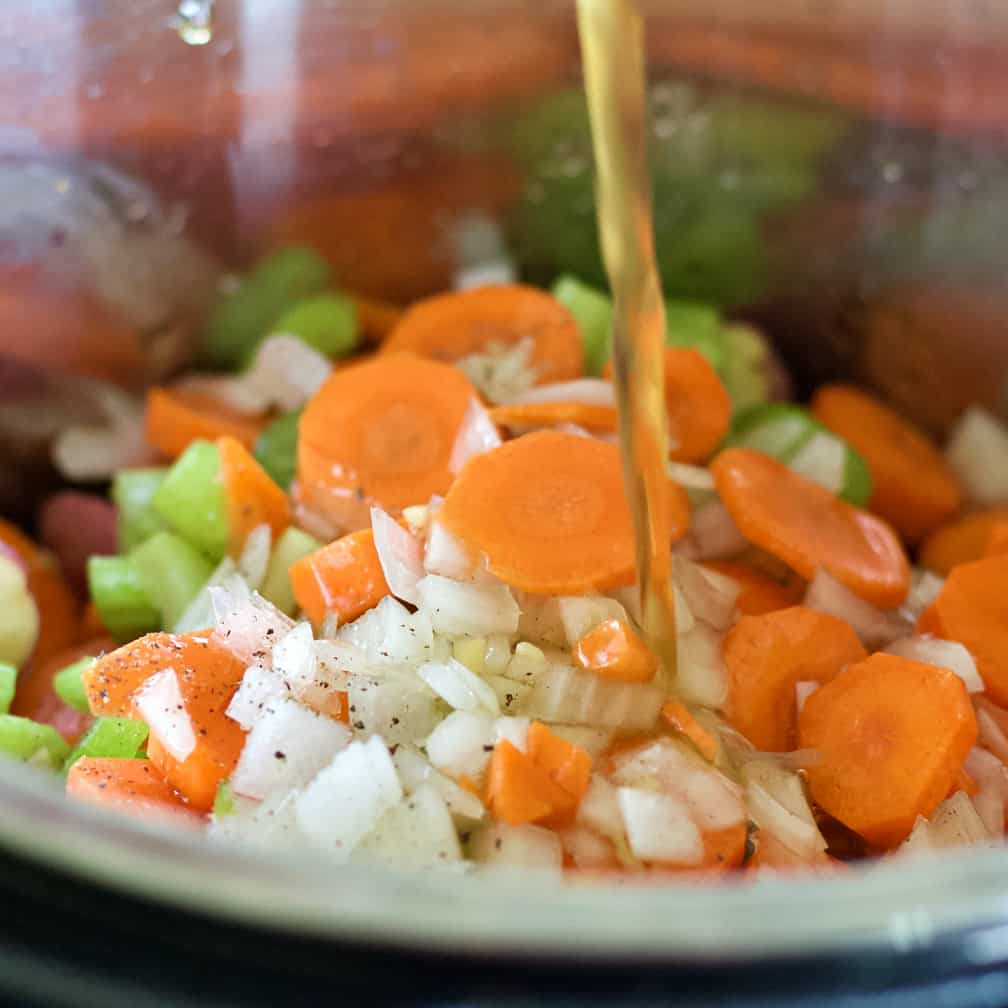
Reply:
x=612 y=47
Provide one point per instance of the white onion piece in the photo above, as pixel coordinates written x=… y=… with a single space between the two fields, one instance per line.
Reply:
x=390 y=634
x=580 y=614
x=925 y=586
x=288 y=371
x=416 y=517
x=259 y=691
x=591 y=391
x=19 y=615
x=955 y=823
x=989 y=802
x=984 y=767
x=514 y=730
x=711 y=596
x=255 y=555
x=459 y=609
x=540 y=621
x=445 y=555
x=690 y=476
x=415 y=771
x=874 y=626
x=159 y=702
x=659 y=827
x=199 y=614
x=247 y=626
x=594 y=741
x=586 y=848
x=462 y=743
x=500 y=372
x=296 y=663
x=86 y=452
x=271 y=824
x=400 y=708
x=346 y=799
x=286 y=747
x=494 y=271
x=228 y=390
x=803 y=690
x=990 y=735
x=337 y=661
x=945 y=654
x=416 y=833
x=823 y=460
x=511 y=695
x=977 y=450
x=797 y=835
x=713 y=534
x=599 y=809
x=528 y=848
x=458 y=687
x=919 y=841
x=701 y=677
x=476 y=434
x=399 y=554
x=714 y=801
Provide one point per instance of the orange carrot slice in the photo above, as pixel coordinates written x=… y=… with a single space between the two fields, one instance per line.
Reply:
x=531 y=416
x=997 y=541
x=176 y=417
x=892 y=734
x=381 y=431
x=699 y=407
x=567 y=765
x=253 y=498
x=913 y=487
x=451 y=326
x=807 y=527
x=972 y=608
x=767 y=655
x=344 y=577
x=760 y=593
x=548 y=512
x=614 y=650
x=679 y=717
x=127 y=785
x=961 y=540
x=518 y=791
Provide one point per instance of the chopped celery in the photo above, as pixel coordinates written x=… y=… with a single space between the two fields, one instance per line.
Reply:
x=69 y=684
x=857 y=488
x=25 y=739
x=109 y=738
x=690 y=324
x=132 y=493
x=192 y=501
x=745 y=370
x=244 y=316
x=593 y=311
x=8 y=681
x=292 y=545
x=224 y=803
x=327 y=322
x=171 y=572
x=276 y=449
x=116 y=589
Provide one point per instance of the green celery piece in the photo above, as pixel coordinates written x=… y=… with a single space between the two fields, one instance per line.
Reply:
x=292 y=545
x=8 y=682
x=171 y=572
x=243 y=317
x=116 y=589
x=857 y=488
x=132 y=493
x=23 y=738
x=593 y=312
x=690 y=324
x=327 y=322
x=69 y=684
x=276 y=448
x=109 y=738
x=192 y=499
x=744 y=371
x=224 y=803
x=777 y=429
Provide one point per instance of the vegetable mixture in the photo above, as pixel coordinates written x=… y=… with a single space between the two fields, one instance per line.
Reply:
x=376 y=598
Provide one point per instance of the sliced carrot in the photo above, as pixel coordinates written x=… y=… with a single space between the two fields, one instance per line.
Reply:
x=451 y=326
x=760 y=593
x=997 y=541
x=678 y=717
x=699 y=407
x=128 y=785
x=892 y=734
x=913 y=488
x=253 y=498
x=549 y=514
x=972 y=608
x=960 y=541
x=518 y=791
x=614 y=650
x=725 y=848
x=767 y=655
x=375 y=318
x=381 y=431
x=532 y=416
x=176 y=417
x=567 y=765
x=807 y=527
x=344 y=577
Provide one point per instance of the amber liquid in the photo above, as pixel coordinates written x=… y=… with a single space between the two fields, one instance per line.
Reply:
x=612 y=48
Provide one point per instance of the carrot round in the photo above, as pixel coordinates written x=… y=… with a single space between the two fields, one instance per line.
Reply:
x=760 y=593
x=548 y=513
x=530 y=416
x=892 y=735
x=176 y=417
x=679 y=717
x=807 y=527
x=699 y=407
x=127 y=785
x=344 y=577
x=380 y=432
x=449 y=327
x=913 y=487
x=253 y=498
x=567 y=765
x=517 y=790
x=997 y=541
x=614 y=650
x=961 y=540
x=766 y=656
x=972 y=608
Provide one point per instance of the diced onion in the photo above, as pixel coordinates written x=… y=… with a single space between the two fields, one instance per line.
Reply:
x=19 y=615
x=247 y=626
x=477 y=434
x=418 y=832
x=459 y=687
x=955 y=823
x=514 y=730
x=259 y=691
x=415 y=770
x=580 y=614
x=875 y=627
x=287 y=371
x=659 y=827
x=460 y=608
x=586 y=848
x=710 y=596
x=690 y=476
x=462 y=743
x=527 y=847
x=445 y=555
x=199 y=614
x=255 y=556
x=591 y=391
x=701 y=677
x=946 y=654
x=399 y=554
x=919 y=841
x=823 y=460
x=159 y=702
x=600 y=810
x=977 y=450
x=713 y=534
x=390 y=634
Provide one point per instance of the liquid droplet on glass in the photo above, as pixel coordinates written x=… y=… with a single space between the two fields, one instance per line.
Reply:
x=195 y=22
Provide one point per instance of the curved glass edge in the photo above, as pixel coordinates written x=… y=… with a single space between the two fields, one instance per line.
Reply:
x=896 y=907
